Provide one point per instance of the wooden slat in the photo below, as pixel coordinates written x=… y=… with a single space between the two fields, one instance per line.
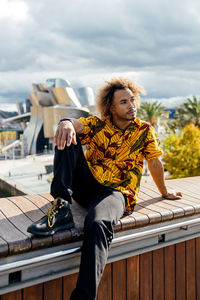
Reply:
x=146 y=276
x=180 y=271
x=47 y=196
x=69 y=284
x=153 y=216
x=3 y=247
x=186 y=184
x=133 y=278
x=169 y=257
x=119 y=280
x=187 y=190
x=53 y=289
x=198 y=267
x=62 y=237
x=190 y=269
x=42 y=203
x=175 y=211
x=146 y=201
x=188 y=209
x=105 y=285
x=155 y=196
x=29 y=208
x=140 y=219
x=34 y=292
x=17 y=295
x=32 y=213
x=15 y=216
x=17 y=241
x=158 y=274
x=128 y=222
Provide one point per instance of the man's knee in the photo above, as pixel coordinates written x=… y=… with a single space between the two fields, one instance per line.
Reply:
x=99 y=229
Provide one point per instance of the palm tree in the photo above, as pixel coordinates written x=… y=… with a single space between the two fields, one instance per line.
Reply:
x=192 y=109
x=151 y=112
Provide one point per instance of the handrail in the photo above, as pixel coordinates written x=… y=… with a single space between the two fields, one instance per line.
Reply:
x=133 y=236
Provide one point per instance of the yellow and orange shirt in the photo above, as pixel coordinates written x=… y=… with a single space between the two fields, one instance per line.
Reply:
x=115 y=158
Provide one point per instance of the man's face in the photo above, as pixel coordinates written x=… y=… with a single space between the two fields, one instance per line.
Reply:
x=123 y=107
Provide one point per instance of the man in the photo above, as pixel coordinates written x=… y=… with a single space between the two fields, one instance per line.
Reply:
x=106 y=180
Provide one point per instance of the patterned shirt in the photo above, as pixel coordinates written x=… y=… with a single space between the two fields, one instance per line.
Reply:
x=115 y=158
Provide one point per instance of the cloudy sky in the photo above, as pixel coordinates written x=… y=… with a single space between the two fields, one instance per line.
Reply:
x=154 y=42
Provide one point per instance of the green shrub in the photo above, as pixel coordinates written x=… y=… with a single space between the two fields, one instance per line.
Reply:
x=182 y=152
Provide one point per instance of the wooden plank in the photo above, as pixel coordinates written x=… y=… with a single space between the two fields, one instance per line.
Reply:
x=62 y=237
x=154 y=217
x=166 y=214
x=140 y=219
x=128 y=222
x=3 y=247
x=42 y=203
x=16 y=295
x=180 y=271
x=146 y=276
x=15 y=216
x=133 y=278
x=175 y=211
x=169 y=257
x=198 y=267
x=190 y=270
x=158 y=274
x=184 y=188
x=47 y=196
x=187 y=184
x=53 y=289
x=17 y=241
x=32 y=213
x=69 y=284
x=105 y=285
x=29 y=209
x=34 y=292
x=119 y=280
x=188 y=209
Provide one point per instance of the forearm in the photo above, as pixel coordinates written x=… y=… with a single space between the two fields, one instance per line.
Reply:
x=157 y=172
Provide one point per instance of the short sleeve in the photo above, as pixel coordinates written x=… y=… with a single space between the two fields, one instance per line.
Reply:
x=91 y=125
x=152 y=147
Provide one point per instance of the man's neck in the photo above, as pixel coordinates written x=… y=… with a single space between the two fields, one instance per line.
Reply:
x=121 y=124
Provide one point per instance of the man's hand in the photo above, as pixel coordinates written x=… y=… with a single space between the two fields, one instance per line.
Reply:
x=173 y=196
x=156 y=169
x=65 y=135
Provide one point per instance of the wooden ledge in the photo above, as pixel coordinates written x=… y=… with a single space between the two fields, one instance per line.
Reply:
x=17 y=213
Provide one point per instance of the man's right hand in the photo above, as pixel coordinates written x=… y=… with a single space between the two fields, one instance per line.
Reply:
x=65 y=135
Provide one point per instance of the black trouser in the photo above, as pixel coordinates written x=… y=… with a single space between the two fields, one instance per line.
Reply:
x=105 y=207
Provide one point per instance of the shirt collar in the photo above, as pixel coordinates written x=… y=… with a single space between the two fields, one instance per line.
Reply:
x=131 y=127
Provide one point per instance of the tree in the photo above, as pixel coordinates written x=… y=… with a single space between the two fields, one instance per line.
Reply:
x=182 y=152
x=151 y=112
x=192 y=109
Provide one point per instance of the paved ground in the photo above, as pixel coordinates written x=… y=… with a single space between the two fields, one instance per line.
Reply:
x=28 y=174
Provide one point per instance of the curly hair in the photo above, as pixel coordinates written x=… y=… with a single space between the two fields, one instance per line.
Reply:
x=106 y=94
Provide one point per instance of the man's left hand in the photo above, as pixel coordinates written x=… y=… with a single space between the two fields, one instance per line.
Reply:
x=173 y=196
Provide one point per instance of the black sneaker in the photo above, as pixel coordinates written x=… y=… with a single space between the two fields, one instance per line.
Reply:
x=59 y=217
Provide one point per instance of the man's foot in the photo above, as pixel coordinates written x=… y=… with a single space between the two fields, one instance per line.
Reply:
x=59 y=217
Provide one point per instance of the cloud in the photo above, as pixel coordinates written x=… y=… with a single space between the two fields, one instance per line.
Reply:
x=14 y=10
x=153 y=42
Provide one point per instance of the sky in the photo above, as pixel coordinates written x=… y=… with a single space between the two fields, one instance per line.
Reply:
x=155 y=43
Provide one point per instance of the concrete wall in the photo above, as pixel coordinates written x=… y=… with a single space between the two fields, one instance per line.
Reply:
x=12 y=189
